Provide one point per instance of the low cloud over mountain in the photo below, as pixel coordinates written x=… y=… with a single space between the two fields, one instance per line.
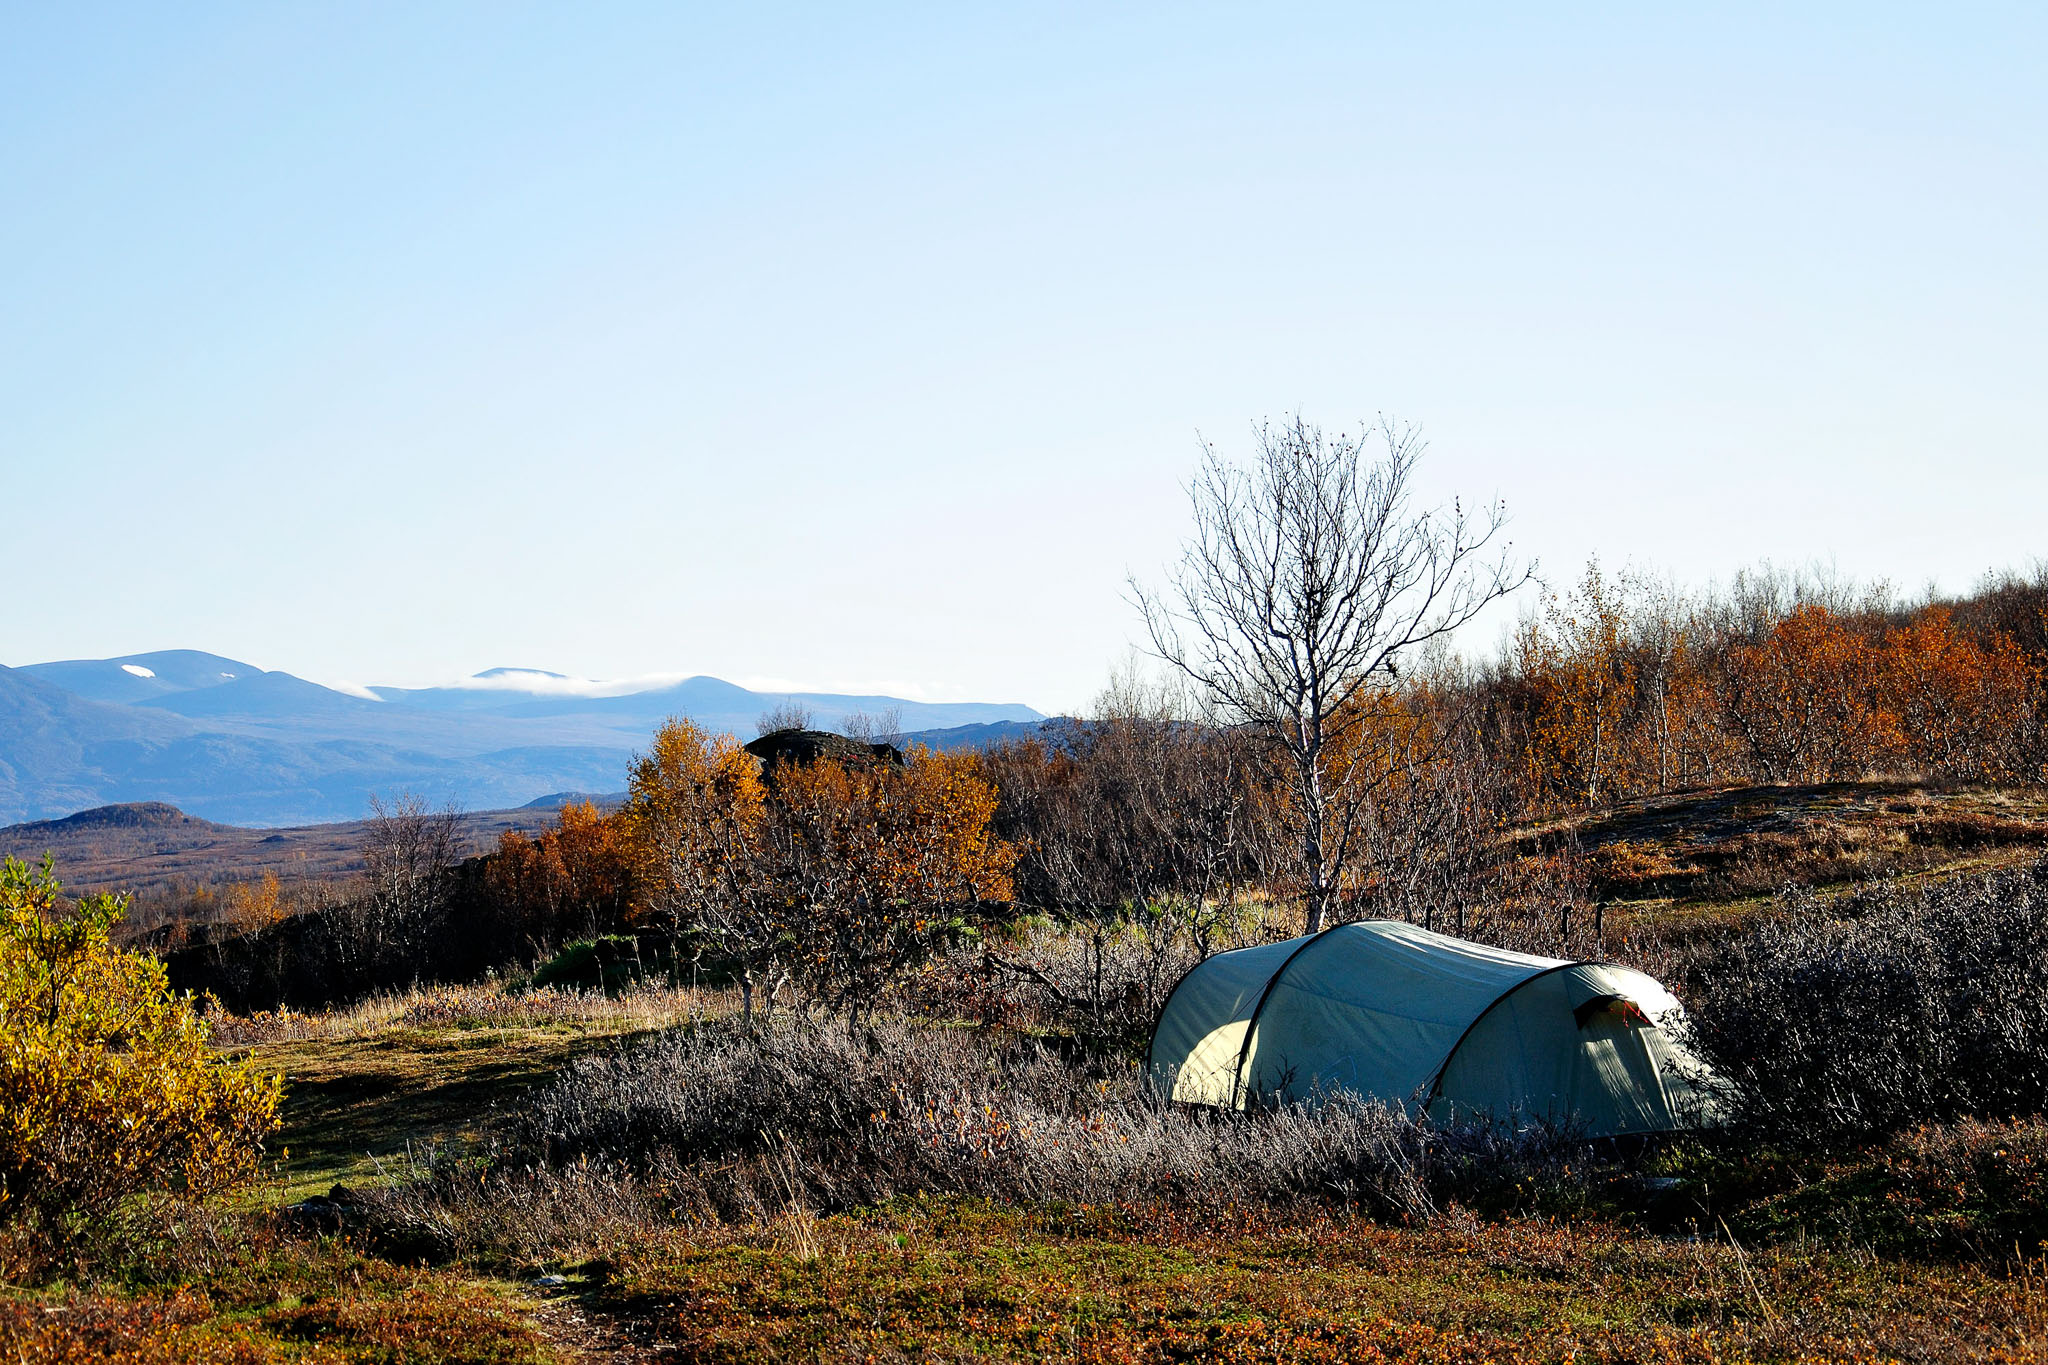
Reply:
x=230 y=741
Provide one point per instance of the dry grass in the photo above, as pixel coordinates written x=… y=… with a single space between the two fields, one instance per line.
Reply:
x=484 y=1006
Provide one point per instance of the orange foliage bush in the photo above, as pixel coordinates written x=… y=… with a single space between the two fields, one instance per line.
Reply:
x=1957 y=706
x=1616 y=692
x=571 y=881
x=838 y=872
x=1579 y=667
x=870 y=862
x=1805 y=700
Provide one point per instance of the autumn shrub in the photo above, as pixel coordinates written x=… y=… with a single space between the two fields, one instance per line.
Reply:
x=688 y=831
x=1835 y=1022
x=1964 y=705
x=868 y=868
x=572 y=880
x=112 y=1105
x=1624 y=688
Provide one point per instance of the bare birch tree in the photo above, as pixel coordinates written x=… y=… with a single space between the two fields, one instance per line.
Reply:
x=877 y=727
x=407 y=849
x=1309 y=576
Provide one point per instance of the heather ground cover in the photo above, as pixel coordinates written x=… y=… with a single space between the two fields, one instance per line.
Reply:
x=966 y=1280
x=1872 y=1258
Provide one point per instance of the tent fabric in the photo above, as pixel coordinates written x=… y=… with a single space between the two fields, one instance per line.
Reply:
x=1203 y=1023
x=1394 y=1012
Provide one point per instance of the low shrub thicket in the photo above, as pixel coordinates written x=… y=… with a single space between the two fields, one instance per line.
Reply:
x=726 y=1122
x=899 y=1109
x=1969 y=1191
x=1836 y=1023
x=609 y=963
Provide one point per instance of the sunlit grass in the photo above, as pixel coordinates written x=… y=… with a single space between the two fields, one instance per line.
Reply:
x=368 y=1084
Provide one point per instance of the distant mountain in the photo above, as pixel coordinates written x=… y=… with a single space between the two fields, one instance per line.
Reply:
x=975 y=736
x=556 y=800
x=135 y=678
x=60 y=751
x=711 y=702
x=229 y=741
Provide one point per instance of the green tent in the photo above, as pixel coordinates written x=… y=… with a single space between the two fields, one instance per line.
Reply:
x=1397 y=1013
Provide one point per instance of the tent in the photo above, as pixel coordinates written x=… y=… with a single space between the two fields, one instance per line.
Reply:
x=1400 y=1014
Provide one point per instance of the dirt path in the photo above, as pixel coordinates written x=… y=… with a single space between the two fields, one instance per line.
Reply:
x=579 y=1335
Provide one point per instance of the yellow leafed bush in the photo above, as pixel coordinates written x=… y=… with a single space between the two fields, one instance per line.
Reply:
x=111 y=1103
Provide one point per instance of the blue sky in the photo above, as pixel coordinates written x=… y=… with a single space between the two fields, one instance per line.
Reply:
x=390 y=343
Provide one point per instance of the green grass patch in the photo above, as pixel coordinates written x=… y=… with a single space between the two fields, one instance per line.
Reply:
x=353 y=1106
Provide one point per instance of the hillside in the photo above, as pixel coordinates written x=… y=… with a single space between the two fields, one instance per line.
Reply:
x=226 y=740
x=1699 y=861
x=150 y=849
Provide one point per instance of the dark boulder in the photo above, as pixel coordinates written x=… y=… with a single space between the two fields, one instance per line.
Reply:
x=804 y=747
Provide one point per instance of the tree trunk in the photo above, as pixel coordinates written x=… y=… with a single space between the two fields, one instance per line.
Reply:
x=1313 y=833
